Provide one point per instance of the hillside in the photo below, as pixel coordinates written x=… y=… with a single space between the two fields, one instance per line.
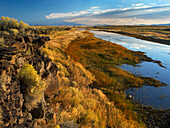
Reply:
x=63 y=77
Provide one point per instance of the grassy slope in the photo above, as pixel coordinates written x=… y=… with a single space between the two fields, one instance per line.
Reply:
x=74 y=100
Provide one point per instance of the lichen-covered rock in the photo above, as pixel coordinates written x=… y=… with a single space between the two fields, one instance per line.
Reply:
x=16 y=105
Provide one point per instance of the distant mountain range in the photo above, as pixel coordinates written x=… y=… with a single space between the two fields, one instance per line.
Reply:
x=63 y=23
x=157 y=24
x=66 y=24
x=165 y=24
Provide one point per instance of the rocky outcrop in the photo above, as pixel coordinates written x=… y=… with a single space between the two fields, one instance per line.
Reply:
x=15 y=112
x=49 y=30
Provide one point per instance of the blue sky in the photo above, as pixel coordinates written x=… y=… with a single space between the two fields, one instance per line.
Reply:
x=89 y=12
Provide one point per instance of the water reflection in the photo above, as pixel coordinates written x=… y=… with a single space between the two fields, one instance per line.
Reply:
x=156 y=97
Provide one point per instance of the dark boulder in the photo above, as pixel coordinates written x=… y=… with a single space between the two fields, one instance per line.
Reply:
x=20 y=38
x=46 y=38
x=28 y=39
x=38 y=43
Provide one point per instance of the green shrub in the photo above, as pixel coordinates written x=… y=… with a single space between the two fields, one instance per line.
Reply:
x=4 y=22
x=7 y=23
x=31 y=80
x=12 y=23
x=23 y=26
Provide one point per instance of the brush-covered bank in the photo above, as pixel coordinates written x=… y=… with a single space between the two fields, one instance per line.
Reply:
x=102 y=58
x=75 y=100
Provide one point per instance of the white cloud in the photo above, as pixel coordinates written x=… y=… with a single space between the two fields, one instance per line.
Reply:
x=127 y=16
x=137 y=5
x=118 y=21
x=94 y=7
x=92 y=10
x=123 y=1
x=153 y=4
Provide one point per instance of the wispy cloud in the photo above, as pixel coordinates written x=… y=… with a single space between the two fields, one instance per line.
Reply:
x=118 y=21
x=137 y=5
x=133 y=15
x=92 y=10
x=153 y=4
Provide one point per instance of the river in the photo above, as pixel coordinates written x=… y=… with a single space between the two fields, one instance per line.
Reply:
x=158 y=98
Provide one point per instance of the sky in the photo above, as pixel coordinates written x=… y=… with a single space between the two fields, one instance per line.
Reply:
x=87 y=12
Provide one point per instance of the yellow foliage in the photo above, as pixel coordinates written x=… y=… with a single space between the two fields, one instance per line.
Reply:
x=2 y=41
x=90 y=108
x=28 y=75
x=57 y=126
x=62 y=68
x=10 y=23
x=23 y=25
x=13 y=23
x=14 y=31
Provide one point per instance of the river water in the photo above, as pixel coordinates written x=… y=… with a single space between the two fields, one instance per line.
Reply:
x=158 y=98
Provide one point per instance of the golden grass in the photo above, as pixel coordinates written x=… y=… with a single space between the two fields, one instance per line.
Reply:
x=74 y=100
x=102 y=57
x=89 y=108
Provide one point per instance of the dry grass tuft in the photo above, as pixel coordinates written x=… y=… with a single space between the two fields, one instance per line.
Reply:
x=89 y=108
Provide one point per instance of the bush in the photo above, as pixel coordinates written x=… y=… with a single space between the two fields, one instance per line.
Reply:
x=14 y=31
x=63 y=69
x=4 y=22
x=89 y=108
x=1 y=41
x=12 y=23
x=1 y=116
x=4 y=33
x=31 y=80
x=23 y=25
x=7 y=23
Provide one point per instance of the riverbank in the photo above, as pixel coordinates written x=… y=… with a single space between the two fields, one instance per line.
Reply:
x=98 y=55
x=101 y=58
x=148 y=38
x=158 y=34
x=77 y=99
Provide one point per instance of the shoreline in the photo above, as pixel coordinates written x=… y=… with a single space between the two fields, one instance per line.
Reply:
x=150 y=116
x=147 y=38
